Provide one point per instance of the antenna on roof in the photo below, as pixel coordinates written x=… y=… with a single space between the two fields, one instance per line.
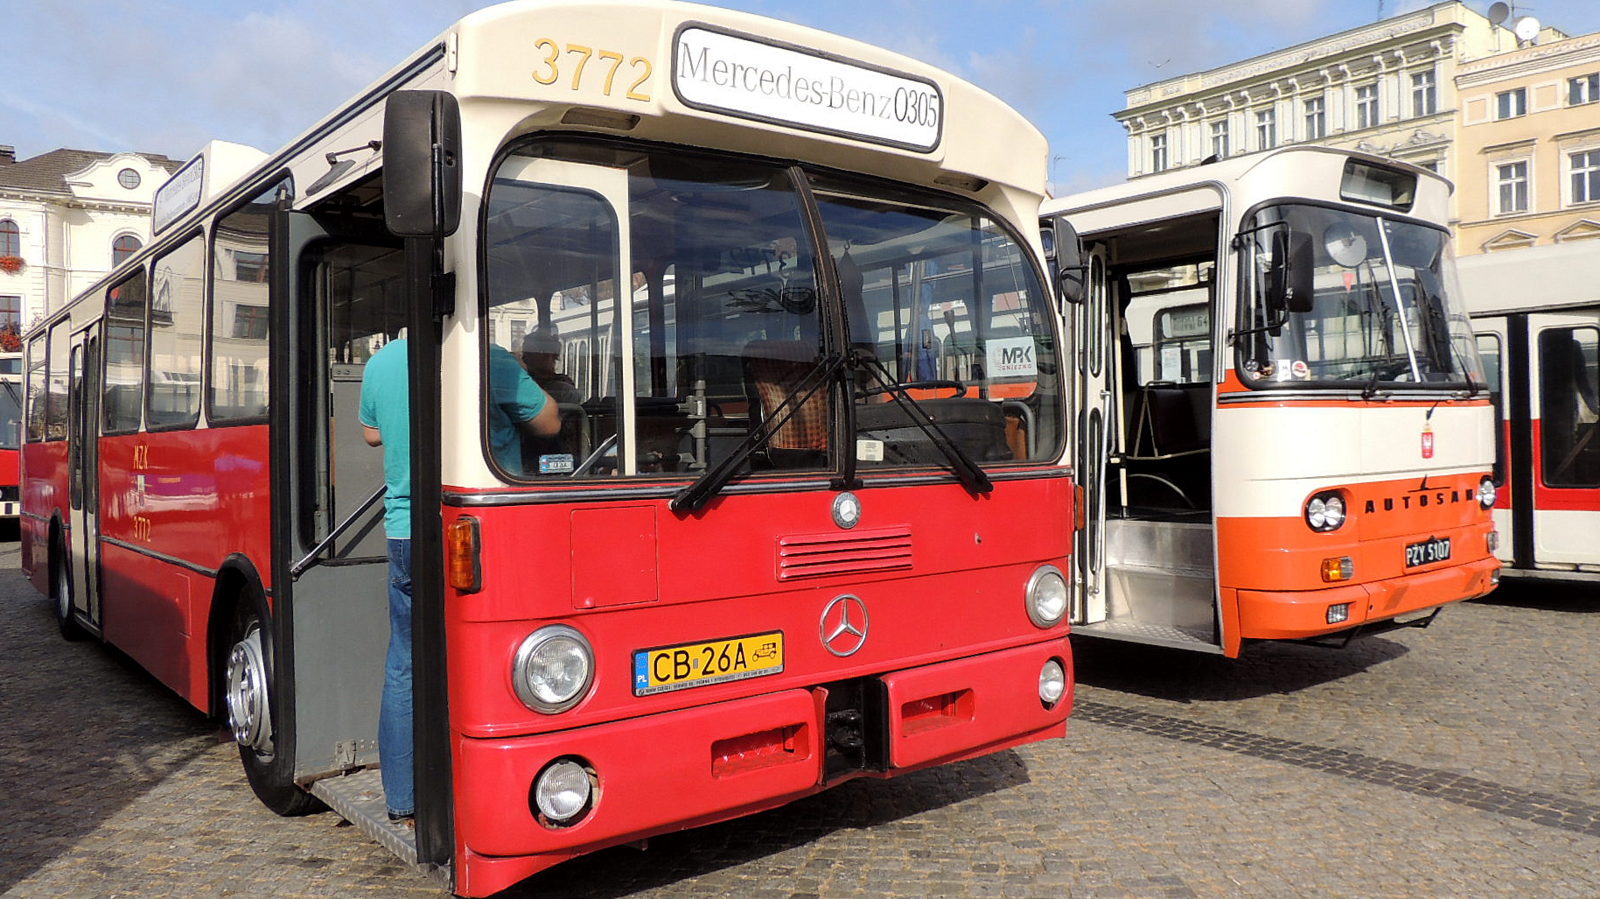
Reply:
x=1498 y=13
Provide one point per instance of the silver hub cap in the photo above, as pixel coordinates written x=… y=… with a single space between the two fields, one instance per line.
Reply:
x=63 y=593
x=249 y=715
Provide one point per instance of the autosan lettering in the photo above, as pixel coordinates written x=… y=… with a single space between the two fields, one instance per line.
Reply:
x=1421 y=499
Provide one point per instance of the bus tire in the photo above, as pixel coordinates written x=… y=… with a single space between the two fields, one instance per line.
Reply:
x=61 y=593
x=247 y=694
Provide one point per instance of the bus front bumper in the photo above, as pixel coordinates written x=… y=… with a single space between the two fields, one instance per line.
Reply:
x=661 y=773
x=1292 y=615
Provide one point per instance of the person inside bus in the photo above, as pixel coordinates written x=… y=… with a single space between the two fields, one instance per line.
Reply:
x=518 y=406
x=540 y=351
x=519 y=409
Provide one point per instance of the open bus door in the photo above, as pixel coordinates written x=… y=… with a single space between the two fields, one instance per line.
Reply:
x=1092 y=334
x=83 y=445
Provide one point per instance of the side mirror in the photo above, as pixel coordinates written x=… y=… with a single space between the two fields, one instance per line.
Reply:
x=1063 y=252
x=1290 y=280
x=421 y=164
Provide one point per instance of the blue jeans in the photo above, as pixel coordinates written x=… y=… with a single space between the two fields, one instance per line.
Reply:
x=395 y=740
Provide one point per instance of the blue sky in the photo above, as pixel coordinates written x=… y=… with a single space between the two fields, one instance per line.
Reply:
x=164 y=76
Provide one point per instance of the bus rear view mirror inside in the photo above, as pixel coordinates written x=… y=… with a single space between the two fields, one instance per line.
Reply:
x=1289 y=280
x=421 y=164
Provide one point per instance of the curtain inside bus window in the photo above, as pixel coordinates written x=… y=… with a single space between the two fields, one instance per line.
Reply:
x=1569 y=406
x=239 y=343
x=947 y=304
x=177 y=314
x=124 y=387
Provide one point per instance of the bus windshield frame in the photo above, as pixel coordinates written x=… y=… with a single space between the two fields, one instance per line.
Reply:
x=746 y=275
x=1386 y=312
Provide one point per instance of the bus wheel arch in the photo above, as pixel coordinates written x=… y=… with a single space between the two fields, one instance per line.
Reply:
x=61 y=583
x=245 y=693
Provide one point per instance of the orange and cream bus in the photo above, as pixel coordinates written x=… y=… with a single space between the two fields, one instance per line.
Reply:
x=1282 y=426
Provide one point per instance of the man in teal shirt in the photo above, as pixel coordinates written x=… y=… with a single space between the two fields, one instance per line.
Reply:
x=386 y=422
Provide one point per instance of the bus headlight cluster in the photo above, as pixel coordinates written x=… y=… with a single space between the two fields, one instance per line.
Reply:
x=563 y=792
x=1486 y=493
x=1325 y=511
x=553 y=669
x=1046 y=597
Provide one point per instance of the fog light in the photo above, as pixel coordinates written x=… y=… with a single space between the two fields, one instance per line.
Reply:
x=1338 y=569
x=563 y=791
x=1338 y=613
x=1052 y=683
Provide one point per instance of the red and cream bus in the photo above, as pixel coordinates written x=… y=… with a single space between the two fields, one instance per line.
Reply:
x=1283 y=431
x=782 y=540
x=1537 y=314
x=11 y=391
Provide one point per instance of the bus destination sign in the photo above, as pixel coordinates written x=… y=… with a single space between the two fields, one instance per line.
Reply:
x=753 y=79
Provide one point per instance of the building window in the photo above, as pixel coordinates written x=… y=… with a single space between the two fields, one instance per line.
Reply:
x=10 y=238
x=1583 y=89
x=1510 y=104
x=1424 y=94
x=1367 y=106
x=1158 y=152
x=1511 y=178
x=1266 y=130
x=1219 y=139
x=1316 y=119
x=123 y=247
x=1585 y=169
x=10 y=317
x=128 y=178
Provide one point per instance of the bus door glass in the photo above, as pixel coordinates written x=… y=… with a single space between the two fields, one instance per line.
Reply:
x=1566 y=403
x=83 y=419
x=1092 y=335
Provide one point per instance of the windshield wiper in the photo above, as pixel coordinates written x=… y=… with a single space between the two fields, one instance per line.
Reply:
x=961 y=465
x=694 y=497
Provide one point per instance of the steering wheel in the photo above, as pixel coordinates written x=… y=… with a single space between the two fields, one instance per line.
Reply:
x=931 y=384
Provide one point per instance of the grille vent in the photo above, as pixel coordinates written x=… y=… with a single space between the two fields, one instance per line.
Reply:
x=856 y=552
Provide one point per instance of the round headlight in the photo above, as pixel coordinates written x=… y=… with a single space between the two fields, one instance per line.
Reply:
x=563 y=791
x=1052 y=683
x=1317 y=513
x=1333 y=511
x=1486 y=493
x=1047 y=596
x=553 y=669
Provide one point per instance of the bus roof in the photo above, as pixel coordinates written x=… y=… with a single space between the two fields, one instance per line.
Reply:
x=1221 y=175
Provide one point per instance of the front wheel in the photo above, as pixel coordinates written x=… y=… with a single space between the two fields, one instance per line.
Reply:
x=61 y=592
x=248 y=692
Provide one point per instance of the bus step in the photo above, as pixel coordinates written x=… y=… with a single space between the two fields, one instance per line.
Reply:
x=1190 y=638
x=358 y=798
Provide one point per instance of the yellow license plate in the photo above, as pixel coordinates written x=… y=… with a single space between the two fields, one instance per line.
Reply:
x=668 y=668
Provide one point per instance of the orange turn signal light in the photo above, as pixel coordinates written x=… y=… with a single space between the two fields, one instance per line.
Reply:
x=463 y=568
x=1338 y=569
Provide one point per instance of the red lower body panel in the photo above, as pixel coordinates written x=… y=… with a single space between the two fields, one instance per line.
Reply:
x=667 y=772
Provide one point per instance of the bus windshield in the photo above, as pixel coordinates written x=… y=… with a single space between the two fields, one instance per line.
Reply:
x=1386 y=309
x=730 y=324
x=10 y=415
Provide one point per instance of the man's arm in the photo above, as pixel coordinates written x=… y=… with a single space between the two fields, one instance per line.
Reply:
x=373 y=436
x=547 y=423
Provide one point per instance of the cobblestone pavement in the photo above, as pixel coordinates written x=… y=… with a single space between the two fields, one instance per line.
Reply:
x=1457 y=761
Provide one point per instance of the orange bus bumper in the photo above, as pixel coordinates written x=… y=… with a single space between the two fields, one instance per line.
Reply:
x=1289 y=615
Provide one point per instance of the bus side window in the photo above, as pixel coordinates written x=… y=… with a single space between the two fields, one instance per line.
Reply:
x=1569 y=401
x=124 y=385
x=1489 y=351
